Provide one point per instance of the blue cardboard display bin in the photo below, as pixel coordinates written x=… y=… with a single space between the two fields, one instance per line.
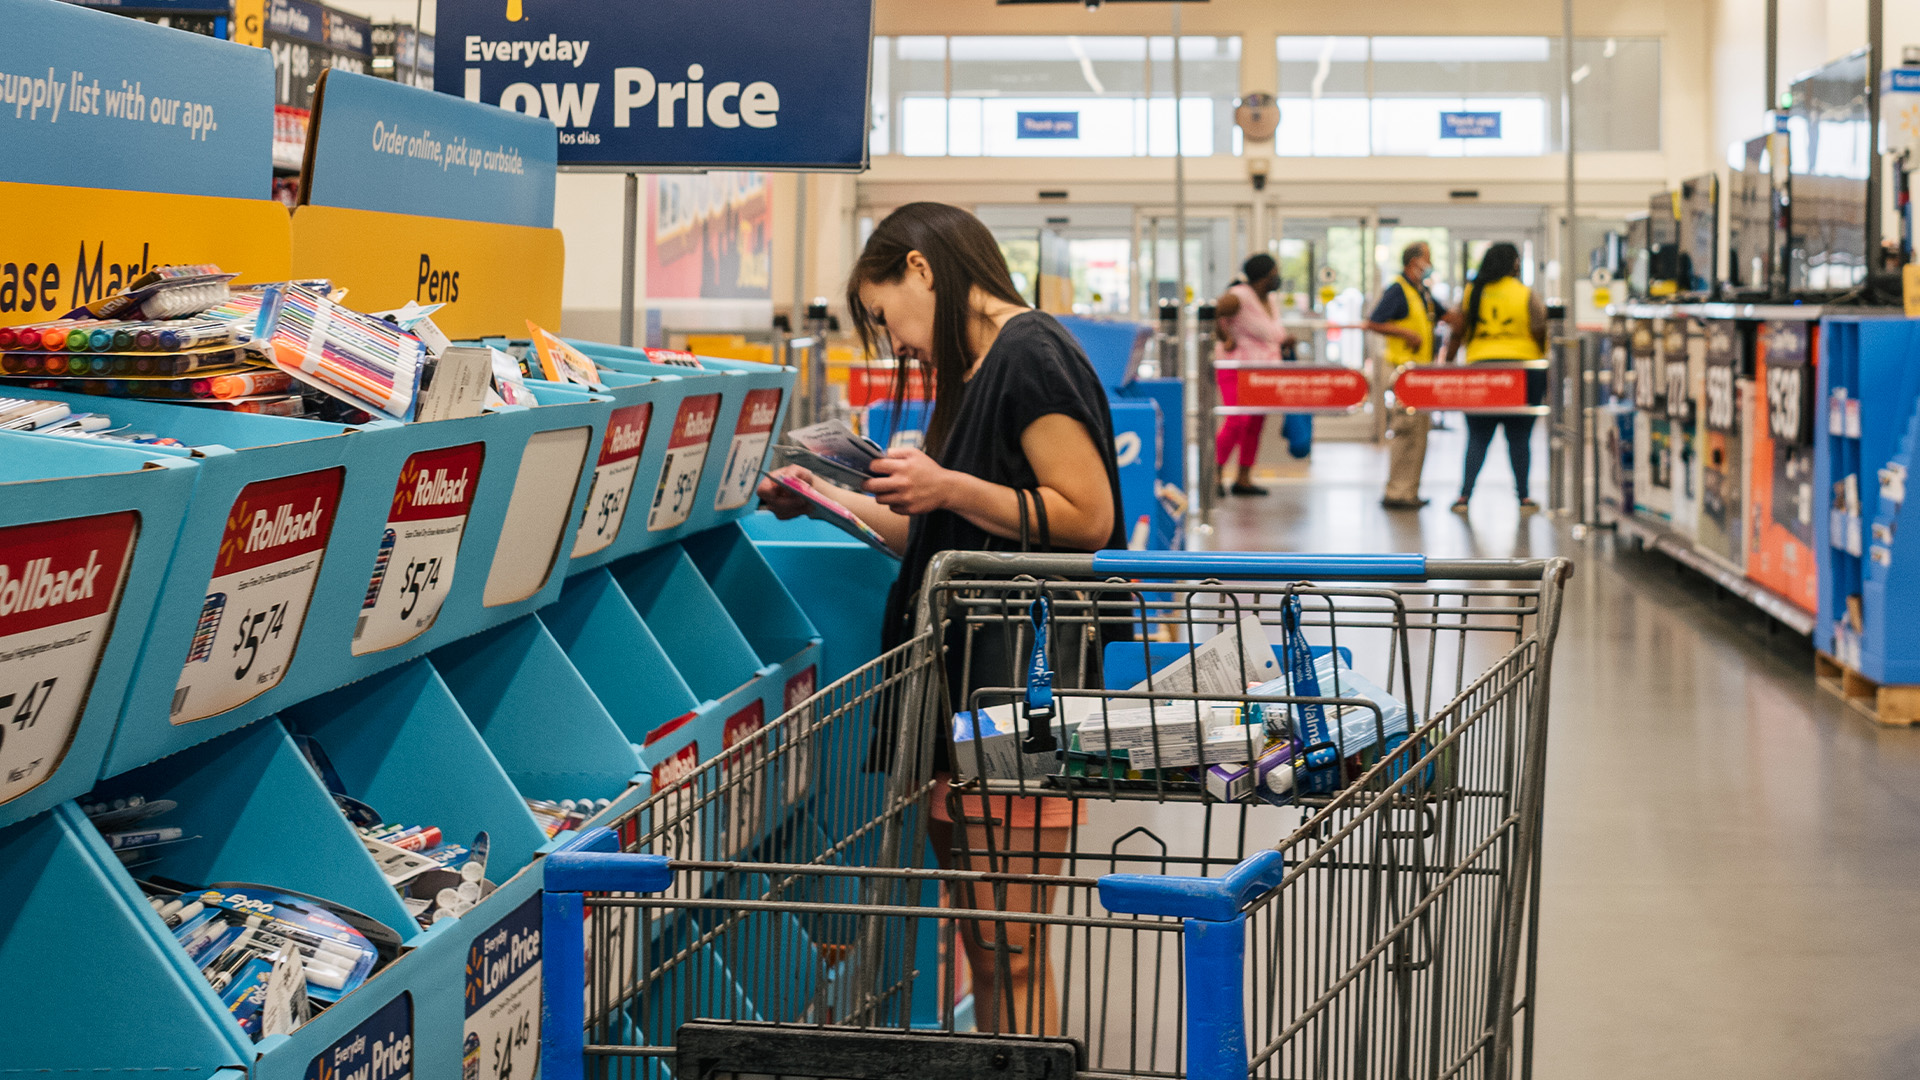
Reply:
x=1867 y=428
x=65 y=659
x=301 y=535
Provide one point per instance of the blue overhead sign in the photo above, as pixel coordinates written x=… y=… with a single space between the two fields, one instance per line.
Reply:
x=89 y=99
x=1469 y=125
x=382 y=145
x=1048 y=125
x=656 y=84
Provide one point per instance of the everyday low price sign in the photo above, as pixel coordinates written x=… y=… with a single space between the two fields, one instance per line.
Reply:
x=630 y=86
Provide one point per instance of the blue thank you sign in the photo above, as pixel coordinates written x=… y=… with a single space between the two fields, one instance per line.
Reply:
x=89 y=99
x=658 y=84
x=382 y=145
x=1469 y=125
x=1048 y=125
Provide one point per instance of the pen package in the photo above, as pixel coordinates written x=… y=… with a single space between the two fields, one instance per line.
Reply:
x=366 y=362
x=165 y=292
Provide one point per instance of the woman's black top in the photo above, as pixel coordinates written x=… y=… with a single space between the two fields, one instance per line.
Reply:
x=1034 y=369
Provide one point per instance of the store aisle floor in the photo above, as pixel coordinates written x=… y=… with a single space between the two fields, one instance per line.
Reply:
x=1732 y=867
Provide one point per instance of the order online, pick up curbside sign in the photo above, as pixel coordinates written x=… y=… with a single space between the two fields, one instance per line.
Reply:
x=637 y=83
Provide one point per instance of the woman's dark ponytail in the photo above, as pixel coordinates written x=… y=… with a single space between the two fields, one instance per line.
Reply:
x=1502 y=260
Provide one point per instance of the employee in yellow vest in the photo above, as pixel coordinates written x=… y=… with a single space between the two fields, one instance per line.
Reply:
x=1409 y=318
x=1504 y=320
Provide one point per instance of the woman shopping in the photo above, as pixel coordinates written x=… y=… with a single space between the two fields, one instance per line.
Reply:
x=1249 y=334
x=1504 y=321
x=1018 y=456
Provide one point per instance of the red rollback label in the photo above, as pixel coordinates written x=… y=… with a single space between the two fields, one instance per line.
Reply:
x=694 y=424
x=58 y=572
x=741 y=725
x=626 y=433
x=437 y=483
x=800 y=688
x=279 y=519
x=678 y=769
x=1435 y=389
x=758 y=411
x=1302 y=389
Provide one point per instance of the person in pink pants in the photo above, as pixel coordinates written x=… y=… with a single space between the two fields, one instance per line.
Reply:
x=1248 y=333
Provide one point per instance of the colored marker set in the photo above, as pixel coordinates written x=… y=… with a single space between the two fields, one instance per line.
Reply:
x=567 y=815
x=122 y=336
x=369 y=363
x=122 y=365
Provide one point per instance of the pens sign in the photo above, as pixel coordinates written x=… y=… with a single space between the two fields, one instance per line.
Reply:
x=59 y=586
x=720 y=83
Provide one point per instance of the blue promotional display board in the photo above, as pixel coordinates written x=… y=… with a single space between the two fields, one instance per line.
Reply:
x=1469 y=125
x=720 y=84
x=162 y=110
x=1047 y=125
x=389 y=147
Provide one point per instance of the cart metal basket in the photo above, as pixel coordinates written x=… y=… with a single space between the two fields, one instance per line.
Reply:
x=1130 y=814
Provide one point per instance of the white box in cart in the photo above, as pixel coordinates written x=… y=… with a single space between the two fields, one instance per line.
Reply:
x=1173 y=735
x=1222 y=660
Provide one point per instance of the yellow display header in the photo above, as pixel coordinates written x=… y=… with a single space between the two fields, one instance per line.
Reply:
x=493 y=278
x=61 y=247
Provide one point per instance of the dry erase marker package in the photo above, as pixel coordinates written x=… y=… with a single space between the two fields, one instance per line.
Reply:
x=340 y=957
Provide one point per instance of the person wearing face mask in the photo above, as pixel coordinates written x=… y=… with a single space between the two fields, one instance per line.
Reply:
x=1018 y=455
x=1408 y=317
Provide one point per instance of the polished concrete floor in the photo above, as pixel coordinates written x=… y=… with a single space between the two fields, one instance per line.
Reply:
x=1732 y=858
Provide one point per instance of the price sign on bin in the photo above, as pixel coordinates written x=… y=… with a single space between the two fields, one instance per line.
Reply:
x=1297 y=389
x=1474 y=388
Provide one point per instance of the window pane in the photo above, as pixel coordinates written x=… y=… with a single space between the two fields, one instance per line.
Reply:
x=916 y=71
x=1616 y=94
x=1105 y=126
x=880 y=130
x=1315 y=67
x=1196 y=126
x=1340 y=127
x=923 y=127
x=963 y=127
x=1049 y=66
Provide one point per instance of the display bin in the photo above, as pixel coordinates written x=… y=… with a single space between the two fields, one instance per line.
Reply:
x=510 y=524
x=540 y=718
x=634 y=445
x=840 y=584
x=1867 y=409
x=720 y=473
x=56 y=873
x=125 y=505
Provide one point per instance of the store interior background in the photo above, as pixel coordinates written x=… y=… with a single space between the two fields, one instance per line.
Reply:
x=1340 y=198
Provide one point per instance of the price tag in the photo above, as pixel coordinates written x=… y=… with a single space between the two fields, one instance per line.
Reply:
x=263 y=579
x=612 y=486
x=414 y=569
x=686 y=456
x=743 y=800
x=749 y=450
x=680 y=838
x=1721 y=396
x=60 y=585
x=378 y=1048
x=799 y=759
x=502 y=1038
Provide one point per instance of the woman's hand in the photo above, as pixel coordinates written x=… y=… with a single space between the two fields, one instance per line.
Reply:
x=785 y=503
x=910 y=482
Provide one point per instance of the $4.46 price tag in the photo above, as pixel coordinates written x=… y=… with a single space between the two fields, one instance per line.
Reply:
x=749 y=450
x=612 y=486
x=502 y=1036
x=686 y=456
x=59 y=587
x=263 y=579
x=414 y=569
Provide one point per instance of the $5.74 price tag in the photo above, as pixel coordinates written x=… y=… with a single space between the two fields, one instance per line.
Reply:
x=59 y=586
x=749 y=450
x=414 y=569
x=612 y=486
x=501 y=1040
x=263 y=579
x=686 y=457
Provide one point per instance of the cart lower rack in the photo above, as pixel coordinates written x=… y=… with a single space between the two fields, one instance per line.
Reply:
x=1124 y=815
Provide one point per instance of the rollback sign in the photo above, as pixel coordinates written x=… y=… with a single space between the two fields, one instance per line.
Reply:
x=413 y=570
x=612 y=488
x=262 y=581
x=718 y=83
x=59 y=585
x=686 y=457
x=751 y=435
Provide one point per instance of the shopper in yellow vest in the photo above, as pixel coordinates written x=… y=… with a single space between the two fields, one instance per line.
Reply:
x=1409 y=318
x=1504 y=320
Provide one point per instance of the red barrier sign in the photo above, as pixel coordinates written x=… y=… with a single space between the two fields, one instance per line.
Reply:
x=1434 y=389
x=1301 y=389
x=866 y=385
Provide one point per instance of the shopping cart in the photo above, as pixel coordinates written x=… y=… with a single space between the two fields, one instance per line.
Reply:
x=1205 y=815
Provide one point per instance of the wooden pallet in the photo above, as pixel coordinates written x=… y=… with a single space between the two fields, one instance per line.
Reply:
x=1892 y=706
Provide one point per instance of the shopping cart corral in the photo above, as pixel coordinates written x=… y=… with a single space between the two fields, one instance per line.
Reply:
x=1237 y=814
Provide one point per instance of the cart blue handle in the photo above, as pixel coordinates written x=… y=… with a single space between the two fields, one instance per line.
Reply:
x=589 y=862
x=1258 y=564
x=1216 y=951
